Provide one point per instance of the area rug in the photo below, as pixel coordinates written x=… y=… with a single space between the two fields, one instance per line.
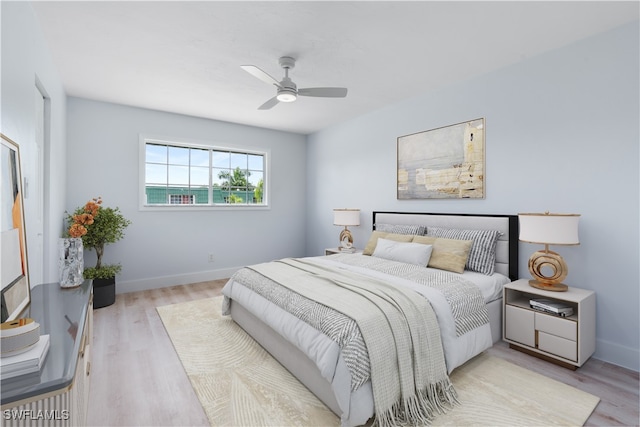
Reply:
x=239 y=384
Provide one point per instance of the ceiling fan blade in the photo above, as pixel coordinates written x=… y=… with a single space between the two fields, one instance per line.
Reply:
x=269 y=104
x=327 y=92
x=257 y=72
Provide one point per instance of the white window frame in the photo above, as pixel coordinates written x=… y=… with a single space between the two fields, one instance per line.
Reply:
x=209 y=145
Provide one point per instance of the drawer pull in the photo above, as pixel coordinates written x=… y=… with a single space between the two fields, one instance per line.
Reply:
x=83 y=344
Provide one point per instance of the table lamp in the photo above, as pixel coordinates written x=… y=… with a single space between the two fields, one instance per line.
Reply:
x=346 y=217
x=547 y=267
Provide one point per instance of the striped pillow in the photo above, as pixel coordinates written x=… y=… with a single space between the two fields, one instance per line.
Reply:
x=417 y=230
x=482 y=256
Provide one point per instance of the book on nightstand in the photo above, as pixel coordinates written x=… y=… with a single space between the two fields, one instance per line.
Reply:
x=350 y=250
x=552 y=307
x=26 y=362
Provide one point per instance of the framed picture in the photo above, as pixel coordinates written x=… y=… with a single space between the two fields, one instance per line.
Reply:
x=443 y=163
x=16 y=290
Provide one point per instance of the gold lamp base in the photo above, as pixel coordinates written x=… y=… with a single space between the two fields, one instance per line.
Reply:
x=554 y=287
x=543 y=261
x=346 y=239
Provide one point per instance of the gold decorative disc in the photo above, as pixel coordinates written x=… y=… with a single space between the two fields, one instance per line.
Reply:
x=543 y=260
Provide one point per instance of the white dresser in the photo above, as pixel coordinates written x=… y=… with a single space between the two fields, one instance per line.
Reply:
x=59 y=394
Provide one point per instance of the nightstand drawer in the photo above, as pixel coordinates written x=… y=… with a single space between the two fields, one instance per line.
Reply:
x=558 y=346
x=519 y=326
x=557 y=326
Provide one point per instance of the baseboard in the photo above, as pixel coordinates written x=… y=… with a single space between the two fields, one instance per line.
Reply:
x=178 y=279
x=617 y=354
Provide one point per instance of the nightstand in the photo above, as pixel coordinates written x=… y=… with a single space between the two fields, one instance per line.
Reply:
x=331 y=251
x=566 y=341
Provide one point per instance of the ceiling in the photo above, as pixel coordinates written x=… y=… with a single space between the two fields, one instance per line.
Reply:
x=185 y=57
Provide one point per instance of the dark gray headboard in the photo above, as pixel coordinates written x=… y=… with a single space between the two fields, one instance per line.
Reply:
x=507 y=247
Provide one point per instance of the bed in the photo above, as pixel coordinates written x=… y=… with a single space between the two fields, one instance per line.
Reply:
x=328 y=369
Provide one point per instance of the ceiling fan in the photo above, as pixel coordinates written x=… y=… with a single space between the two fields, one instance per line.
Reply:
x=287 y=91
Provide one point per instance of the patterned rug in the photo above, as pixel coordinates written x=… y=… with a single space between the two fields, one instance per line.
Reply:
x=240 y=384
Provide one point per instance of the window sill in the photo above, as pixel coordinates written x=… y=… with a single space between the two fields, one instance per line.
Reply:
x=221 y=207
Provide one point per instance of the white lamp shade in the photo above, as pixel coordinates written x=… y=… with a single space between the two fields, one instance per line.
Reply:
x=346 y=217
x=549 y=229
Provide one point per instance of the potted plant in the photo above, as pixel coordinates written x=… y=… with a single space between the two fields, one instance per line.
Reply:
x=99 y=226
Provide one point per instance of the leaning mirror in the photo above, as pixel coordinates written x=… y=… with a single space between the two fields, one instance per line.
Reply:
x=16 y=292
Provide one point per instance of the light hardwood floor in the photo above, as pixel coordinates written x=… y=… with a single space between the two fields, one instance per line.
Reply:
x=138 y=380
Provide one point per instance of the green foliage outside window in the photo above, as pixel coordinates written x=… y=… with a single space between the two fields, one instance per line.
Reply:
x=259 y=191
x=236 y=180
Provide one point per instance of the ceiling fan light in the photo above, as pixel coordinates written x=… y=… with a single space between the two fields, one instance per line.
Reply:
x=286 y=96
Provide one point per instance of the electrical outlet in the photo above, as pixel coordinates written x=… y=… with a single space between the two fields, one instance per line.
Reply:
x=211 y=258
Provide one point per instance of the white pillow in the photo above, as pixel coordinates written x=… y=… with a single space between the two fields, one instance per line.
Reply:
x=411 y=253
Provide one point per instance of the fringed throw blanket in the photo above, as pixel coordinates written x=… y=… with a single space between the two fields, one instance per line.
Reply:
x=409 y=382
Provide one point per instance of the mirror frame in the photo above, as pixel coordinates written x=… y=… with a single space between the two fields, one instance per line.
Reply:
x=16 y=289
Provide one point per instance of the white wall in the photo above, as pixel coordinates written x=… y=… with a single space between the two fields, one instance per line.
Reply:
x=169 y=248
x=25 y=61
x=562 y=134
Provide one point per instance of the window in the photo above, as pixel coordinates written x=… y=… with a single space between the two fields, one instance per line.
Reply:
x=183 y=174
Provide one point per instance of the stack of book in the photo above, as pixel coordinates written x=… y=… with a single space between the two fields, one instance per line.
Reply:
x=551 y=307
x=350 y=250
x=27 y=362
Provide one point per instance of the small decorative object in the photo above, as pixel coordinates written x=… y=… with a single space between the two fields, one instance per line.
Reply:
x=99 y=226
x=443 y=163
x=71 y=262
x=346 y=217
x=18 y=336
x=547 y=267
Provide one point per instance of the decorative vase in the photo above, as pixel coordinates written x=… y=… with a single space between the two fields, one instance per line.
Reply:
x=70 y=262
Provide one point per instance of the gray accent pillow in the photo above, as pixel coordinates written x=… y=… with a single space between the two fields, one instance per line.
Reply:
x=373 y=240
x=482 y=256
x=408 y=252
x=417 y=230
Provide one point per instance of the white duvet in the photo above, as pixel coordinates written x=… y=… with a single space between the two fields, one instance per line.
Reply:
x=357 y=406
